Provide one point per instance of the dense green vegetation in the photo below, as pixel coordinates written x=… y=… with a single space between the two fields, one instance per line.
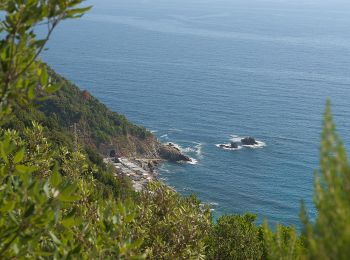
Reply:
x=62 y=201
x=58 y=113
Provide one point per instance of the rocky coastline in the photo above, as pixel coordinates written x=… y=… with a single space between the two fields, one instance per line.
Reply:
x=172 y=153
x=142 y=169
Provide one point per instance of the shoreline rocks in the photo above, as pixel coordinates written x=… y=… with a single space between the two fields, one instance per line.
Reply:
x=173 y=154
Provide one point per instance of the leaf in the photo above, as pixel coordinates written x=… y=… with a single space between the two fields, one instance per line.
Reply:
x=31 y=92
x=52 y=88
x=55 y=179
x=29 y=211
x=40 y=43
x=77 y=12
x=66 y=195
x=54 y=238
x=19 y=155
x=25 y=169
x=25 y=177
x=7 y=206
x=129 y=218
x=3 y=154
x=44 y=78
x=71 y=221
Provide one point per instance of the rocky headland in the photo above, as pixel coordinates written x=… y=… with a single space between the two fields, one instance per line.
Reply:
x=172 y=153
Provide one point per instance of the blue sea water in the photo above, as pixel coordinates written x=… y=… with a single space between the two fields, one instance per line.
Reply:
x=198 y=73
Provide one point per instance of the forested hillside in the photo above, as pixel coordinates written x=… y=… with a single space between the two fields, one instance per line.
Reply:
x=71 y=111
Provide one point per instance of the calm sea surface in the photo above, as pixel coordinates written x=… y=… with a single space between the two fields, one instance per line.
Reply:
x=199 y=73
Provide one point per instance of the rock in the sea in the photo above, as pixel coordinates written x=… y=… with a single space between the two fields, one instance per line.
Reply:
x=173 y=146
x=171 y=153
x=249 y=141
x=234 y=145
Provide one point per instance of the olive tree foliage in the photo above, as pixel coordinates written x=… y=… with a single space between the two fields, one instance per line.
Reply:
x=171 y=226
x=30 y=208
x=329 y=236
x=282 y=244
x=22 y=75
x=235 y=237
x=53 y=211
x=48 y=204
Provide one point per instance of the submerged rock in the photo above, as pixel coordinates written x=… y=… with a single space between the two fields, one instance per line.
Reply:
x=249 y=141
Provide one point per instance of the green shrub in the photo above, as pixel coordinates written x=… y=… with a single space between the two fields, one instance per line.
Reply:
x=235 y=237
x=172 y=226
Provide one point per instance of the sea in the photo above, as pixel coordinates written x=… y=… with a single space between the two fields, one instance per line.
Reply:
x=200 y=73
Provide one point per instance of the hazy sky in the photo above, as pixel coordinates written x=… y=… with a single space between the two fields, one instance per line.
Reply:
x=336 y=4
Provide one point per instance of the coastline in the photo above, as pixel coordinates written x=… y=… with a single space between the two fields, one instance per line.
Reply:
x=140 y=171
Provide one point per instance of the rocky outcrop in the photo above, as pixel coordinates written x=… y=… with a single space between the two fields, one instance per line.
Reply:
x=234 y=145
x=171 y=153
x=248 y=141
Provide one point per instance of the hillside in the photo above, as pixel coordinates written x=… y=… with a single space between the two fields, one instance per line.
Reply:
x=59 y=200
x=71 y=110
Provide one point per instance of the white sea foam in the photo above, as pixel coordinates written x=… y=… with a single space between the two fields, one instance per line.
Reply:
x=164 y=136
x=198 y=150
x=256 y=146
x=185 y=150
x=211 y=205
x=188 y=150
x=164 y=170
x=229 y=148
x=193 y=161
x=237 y=139
x=174 y=130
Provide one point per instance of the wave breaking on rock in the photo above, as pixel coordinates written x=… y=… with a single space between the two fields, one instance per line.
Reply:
x=237 y=143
